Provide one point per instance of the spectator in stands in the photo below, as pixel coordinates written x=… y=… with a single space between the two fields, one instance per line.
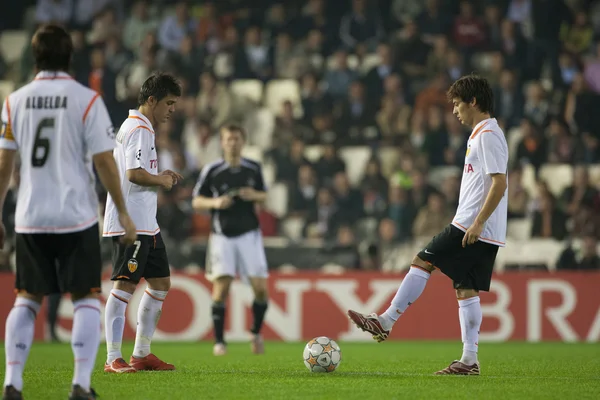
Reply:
x=401 y=211
x=329 y=165
x=285 y=58
x=547 y=18
x=362 y=26
x=303 y=196
x=340 y=76
x=568 y=70
x=592 y=71
x=455 y=67
x=436 y=59
x=287 y=126
x=549 y=221
x=450 y=189
x=356 y=113
x=103 y=80
x=412 y=52
x=313 y=97
x=493 y=26
x=288 y=162
x=187 y=61
x=201 y=142
x=105 y=25
x=323 y=219
x=586 y=259
x=348 y=199
x=54 y=11
x=344 y=251
x=518 y=198
x=374 y=188
x=433 y=95
x=533 y=147
x=581 y=202
x=563 y=147
x=117 y=56
x=577 y=37
x=375 y=78
x=537 y=107
x=175 y=27
x=469 y=31
x=387 y=246
x=432 y=217
x=80 y=66
x=256 y=58
x=513 y=46
x=420 y=189
x=436 y=137
x=138 y=25
x=509 y=101
x=433 y=22
x=214 y=100
x=456 y=146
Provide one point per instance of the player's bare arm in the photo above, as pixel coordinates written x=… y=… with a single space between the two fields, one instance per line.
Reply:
x=492 y=200
x=200 y=203
x=141 y=177
x=109 y=176
x=7 y=163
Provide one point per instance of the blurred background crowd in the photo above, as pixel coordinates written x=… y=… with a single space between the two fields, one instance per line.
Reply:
x=344 y=103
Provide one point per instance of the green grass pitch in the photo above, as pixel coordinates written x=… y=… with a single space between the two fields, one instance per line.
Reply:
x=392 y=370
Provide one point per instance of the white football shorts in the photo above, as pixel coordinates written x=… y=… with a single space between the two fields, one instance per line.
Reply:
x=242 y=256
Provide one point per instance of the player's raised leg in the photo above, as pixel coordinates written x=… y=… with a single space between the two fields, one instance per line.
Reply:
x=413 y=284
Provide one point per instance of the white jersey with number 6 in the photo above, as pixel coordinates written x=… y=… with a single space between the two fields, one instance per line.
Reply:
x=487 y=154
x=135 y=149
x=57 y=125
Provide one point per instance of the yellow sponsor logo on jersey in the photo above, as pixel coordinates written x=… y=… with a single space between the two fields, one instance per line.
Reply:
x=7 y=132
x=132 y=265
x=468 y=151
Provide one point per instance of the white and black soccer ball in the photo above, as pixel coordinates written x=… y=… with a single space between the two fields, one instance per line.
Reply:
x=322 y=354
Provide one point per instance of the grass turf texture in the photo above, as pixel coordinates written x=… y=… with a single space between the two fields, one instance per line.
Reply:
x=392 y=370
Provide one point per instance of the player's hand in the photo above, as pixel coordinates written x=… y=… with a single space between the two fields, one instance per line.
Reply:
x=472 y=234
x=247 y=193
x=2 y=235
x=130 y=230
x=176 y=177
x=166 y=181
x=223 y=202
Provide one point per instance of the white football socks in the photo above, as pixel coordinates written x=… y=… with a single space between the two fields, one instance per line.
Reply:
x=114 y=323
x=85 y=340
x=409 y=291
x=469 y=314
x=148 y=315
x=18 y=336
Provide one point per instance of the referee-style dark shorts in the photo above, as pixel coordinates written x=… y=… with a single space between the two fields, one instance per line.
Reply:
x=470 y=267
x=59 y=263
x=146 y=258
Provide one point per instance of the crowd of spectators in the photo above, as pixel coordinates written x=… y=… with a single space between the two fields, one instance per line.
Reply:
x=369 y=74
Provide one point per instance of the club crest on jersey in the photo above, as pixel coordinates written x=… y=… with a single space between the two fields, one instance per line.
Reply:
x=6 y=132
x=132 y=265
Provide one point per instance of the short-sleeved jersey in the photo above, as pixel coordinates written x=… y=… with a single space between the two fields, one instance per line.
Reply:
x=487 y=153
x=135 y=149
x=57 y=125
x=218 y=179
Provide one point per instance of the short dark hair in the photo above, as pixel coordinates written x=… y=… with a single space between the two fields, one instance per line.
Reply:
x=471 y=87
x=159 y=85
x=52 y=48
x=234 y=128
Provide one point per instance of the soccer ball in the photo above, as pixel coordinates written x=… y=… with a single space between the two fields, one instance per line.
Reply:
x=322 y=354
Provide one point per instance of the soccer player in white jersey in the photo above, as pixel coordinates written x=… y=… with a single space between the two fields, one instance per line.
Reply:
x=229 y=188
x=137 y=161
x=59 y=127
x=466 y=249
